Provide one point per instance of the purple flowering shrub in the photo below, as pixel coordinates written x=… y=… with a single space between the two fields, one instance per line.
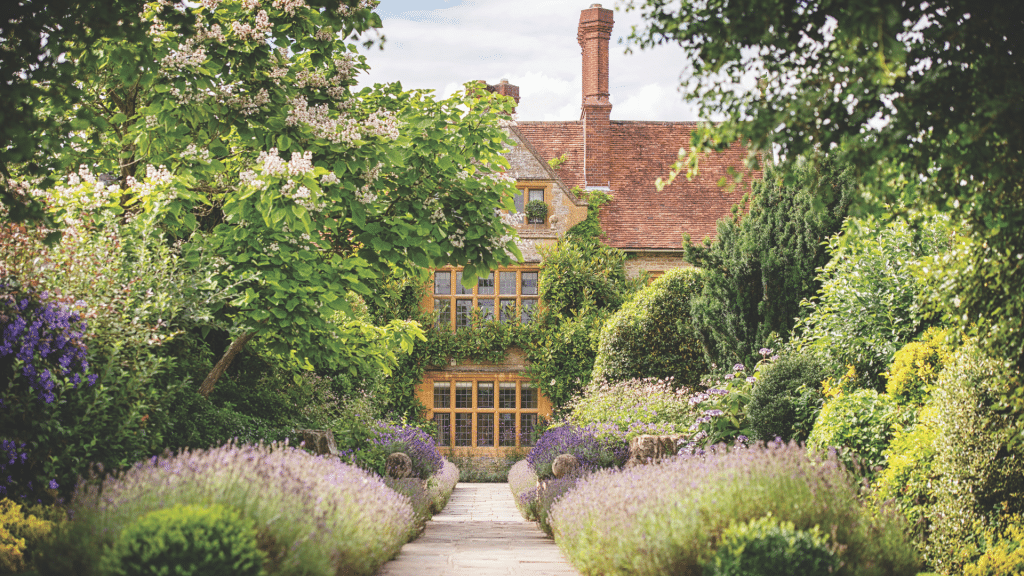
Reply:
x=43 y=363
x=41 y=346
x=388 y=438
x=314 y=515
x=721 y=408
x=669 y=519
x=522 y=480
x=441 y=485
x=593 y=452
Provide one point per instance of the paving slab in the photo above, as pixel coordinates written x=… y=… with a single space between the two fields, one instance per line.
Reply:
x=481 y=533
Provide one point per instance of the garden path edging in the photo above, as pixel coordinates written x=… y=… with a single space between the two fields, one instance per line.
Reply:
x=480 y=532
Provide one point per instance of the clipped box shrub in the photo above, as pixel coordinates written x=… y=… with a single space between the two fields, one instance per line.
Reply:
x=787 y=398
x=669 y=518
x=980 y=467
x=313 y=515
x=767 y=547
x=859 y=424
x=187 y=541
x=652 y=335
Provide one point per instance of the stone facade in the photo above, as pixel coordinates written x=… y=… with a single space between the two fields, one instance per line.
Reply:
x=654 y=263
x=622 y=158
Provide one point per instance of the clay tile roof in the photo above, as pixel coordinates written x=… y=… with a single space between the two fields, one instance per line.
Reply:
x=639 y=216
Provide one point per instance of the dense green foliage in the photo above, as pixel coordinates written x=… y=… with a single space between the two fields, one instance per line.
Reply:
x=872 y=295
x=909 y=481
x=787 y=398
x=193 y=133
x=582 y=282
x=981 y=472
x=187 y=540
x=763 y=263
x=767 y=547
x=921 y=98
x=35 y=77
x=652 y=335
x=859 y=424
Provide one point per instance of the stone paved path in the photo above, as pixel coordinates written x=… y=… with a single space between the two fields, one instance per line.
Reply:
x=480 y=533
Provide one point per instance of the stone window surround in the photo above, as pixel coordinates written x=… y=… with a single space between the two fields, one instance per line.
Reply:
x=524 y=188
x=534 y=408
x=522 y=301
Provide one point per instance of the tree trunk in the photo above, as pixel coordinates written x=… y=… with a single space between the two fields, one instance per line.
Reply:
x=224 y=362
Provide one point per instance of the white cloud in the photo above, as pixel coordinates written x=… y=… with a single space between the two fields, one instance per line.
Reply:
x=533 y=44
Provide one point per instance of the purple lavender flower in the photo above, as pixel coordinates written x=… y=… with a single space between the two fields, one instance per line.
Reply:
x=739 y=368
x=417 y=444
x=593 y=453
x=764 y=351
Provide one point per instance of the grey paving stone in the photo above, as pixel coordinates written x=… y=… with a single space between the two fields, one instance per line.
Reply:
x=480 y=533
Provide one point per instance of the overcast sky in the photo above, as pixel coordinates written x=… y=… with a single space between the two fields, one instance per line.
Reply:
x=440 y=44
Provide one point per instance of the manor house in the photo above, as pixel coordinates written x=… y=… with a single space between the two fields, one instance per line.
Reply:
x=486 y=408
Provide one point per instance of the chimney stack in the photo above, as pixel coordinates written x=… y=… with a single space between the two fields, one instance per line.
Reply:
x=594 y=33
x=505 y=89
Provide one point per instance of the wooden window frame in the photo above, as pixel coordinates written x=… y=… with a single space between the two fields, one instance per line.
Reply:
x=474 y=297
x=523 y=189
x=496 y=380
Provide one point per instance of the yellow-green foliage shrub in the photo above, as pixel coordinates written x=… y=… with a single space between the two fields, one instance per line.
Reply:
x=19 y=533
x=908 y=481
x=1005 y=553
x=916 y=367
x=979 y=466
x=858 y=423
x=652 y=334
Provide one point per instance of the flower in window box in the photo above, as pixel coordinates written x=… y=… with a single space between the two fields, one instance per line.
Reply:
x=536 y=212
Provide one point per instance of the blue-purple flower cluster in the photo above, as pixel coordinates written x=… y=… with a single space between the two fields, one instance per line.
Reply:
x=43 y=341
x=12 y=457
x=417 y=444
x=592 y=451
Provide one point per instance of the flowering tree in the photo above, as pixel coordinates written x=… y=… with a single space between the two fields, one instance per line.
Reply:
x=235 y=127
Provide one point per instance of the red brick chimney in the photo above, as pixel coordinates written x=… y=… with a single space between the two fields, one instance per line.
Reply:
x=594 y=32
x=505 y=89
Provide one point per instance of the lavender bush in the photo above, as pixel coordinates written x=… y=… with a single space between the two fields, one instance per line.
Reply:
x=592 y=452
x=388 y=438
x=522 y=479
x=441 y=485
x=314 y=515
x=666 y=519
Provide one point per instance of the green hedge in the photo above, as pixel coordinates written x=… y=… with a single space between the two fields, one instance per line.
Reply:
x=652 y=336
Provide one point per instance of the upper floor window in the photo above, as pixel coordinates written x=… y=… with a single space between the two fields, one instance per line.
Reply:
x=501 y=295
x=527 y=195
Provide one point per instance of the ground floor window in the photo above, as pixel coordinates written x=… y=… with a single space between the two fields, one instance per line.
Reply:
x=487 y=412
